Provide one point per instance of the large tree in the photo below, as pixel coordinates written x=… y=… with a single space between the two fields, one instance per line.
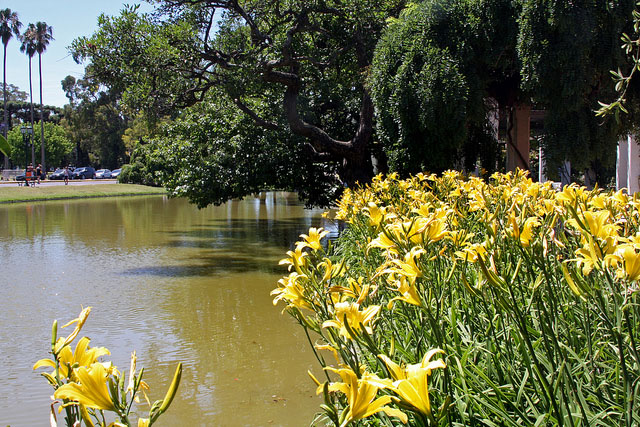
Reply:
x=95 y=122
x=41 y=36
x=59 y=146
x=567 y=50
x=28 y=47
x=9 y=26
x=20 y=112
x=312 y=56
x=212 y=154
x=307 y=68
x=14 y=93
x=435 y=70
x=436 y=67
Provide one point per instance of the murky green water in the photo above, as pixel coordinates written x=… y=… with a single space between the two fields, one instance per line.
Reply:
x=173 y=283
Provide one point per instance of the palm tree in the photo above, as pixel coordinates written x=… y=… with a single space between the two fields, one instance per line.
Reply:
x=29 y=47
x=43 y=35
x=9 y=25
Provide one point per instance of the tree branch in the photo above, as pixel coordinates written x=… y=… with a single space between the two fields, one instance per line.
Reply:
x=259 y=120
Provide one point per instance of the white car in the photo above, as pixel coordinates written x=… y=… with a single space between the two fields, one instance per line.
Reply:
x=103 y=174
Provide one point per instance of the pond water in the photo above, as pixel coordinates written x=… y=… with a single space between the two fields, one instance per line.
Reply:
x=173 y=283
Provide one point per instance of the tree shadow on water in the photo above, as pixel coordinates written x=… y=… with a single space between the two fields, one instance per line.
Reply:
x=230 y=245
x=236 y=233
x=211 y=265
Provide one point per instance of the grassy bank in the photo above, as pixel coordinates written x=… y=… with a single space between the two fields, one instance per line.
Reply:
x=15 y=194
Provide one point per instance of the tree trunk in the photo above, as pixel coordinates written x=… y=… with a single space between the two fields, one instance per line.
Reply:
x=355 y=154
x=5 y=129
x=44 y=167
x=518 y=138
x=357 y=169
x=33 y=148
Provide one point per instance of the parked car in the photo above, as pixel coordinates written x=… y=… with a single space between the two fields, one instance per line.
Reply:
x=115 y=173
x=59 y=174
x=86 y=172
x=103 y=174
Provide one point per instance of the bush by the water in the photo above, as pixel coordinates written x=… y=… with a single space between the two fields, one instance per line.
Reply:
x=453 y=301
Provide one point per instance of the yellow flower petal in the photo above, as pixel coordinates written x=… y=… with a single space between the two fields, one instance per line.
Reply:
x=91 y=391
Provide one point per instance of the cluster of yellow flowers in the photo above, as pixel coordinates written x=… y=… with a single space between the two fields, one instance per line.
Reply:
x=413 y=233
x=300 y=291
x=472 y=215
x=87 y=387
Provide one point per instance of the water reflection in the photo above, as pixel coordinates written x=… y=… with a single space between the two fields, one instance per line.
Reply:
x=171 y=281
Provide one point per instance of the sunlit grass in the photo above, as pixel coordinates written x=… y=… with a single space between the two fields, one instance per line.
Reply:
x=13 y=193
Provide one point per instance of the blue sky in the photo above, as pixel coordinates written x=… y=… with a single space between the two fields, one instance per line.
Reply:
x=70 y=19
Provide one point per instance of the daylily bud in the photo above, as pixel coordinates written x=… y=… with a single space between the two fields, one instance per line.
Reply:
x=173 y=388
x=54 y=334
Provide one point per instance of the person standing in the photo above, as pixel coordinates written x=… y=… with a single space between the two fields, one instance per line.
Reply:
x=28 y=175
x=38 y=172
x=66 y=175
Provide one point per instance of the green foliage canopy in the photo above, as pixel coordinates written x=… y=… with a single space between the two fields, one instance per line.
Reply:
x=58 y=147
x=567 y=50
x=553 y=55
x=96 y=124
x=297 y=68
x=14 y=93
x=306 y=71
x=432 y=73
x=142 y=60
x=212 y=154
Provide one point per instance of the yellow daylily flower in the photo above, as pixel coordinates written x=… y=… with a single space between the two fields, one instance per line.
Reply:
x=631 y=262
x=598 y=201
x=570 y=194
x=356 y=290
x=436 y=229
x=408 y=267
x=620 y=198
x=589 y=256
x=361 y=393
x=312 y=240
x=527 y=231
x=143 y=422
x=412 y=230
x=408 y=292
x=291 y=291
x=328 y=348
x=82 y=356
x=471 y=252
x=331 y=270
x=350 y=312
x=383 y=241
x=376 y=214
x=411 y=383
x=91 y=391
x=424 y=210
x=296 y=259
x=597 y=224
